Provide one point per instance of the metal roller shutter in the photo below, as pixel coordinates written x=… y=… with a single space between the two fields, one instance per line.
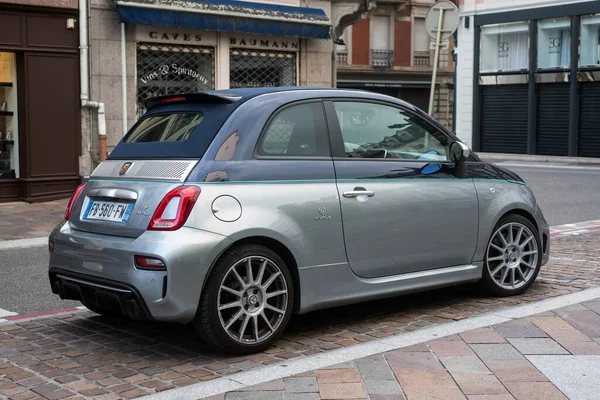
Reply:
x=504 y=119
x=589 y=119
x=552 y=137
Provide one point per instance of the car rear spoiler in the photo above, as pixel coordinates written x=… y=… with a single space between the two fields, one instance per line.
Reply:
x=199 y=97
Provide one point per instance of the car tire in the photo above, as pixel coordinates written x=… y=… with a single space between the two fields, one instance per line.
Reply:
x=244 y=312
x=513 y=257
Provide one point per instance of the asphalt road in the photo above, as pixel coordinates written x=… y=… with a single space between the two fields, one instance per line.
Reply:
x=567 y=194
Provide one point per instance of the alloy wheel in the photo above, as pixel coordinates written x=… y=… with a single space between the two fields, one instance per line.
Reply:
x=512 y=256
x=252 y=300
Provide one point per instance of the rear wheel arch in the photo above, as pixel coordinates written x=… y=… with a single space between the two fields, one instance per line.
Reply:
x=282 y=251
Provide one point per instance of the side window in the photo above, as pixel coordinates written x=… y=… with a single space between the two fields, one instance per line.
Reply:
x=373 y=130
x=296 y=131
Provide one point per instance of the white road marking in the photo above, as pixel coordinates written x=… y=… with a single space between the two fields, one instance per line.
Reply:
x=5 y=313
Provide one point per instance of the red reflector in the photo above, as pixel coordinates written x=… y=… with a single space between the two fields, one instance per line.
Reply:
x=149 y=263
x=183 y=198
x=173 y=99
x=73 y=199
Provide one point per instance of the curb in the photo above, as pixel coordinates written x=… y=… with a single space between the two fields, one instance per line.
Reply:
x=24 y=243
x=501 y=157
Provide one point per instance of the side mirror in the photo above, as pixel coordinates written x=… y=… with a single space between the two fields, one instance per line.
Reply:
x=459 y=152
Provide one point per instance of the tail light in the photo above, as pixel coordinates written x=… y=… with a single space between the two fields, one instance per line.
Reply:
x=73 y=199
x=174 y=209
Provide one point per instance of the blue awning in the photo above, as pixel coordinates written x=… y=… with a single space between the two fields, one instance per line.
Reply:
x=228 y=16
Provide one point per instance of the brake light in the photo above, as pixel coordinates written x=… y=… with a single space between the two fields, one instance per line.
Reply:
x=174 y=209
x=73 y=199
x=173 y=99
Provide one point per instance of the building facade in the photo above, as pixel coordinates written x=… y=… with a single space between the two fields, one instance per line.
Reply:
x=527 y=77
x=389 y=51
x=40 y=137
x=171 y=50
x=73 y=73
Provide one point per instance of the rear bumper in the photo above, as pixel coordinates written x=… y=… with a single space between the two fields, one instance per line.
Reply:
x=99 y=270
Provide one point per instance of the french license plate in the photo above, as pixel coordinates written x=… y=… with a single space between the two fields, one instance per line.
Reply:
x=108 y=211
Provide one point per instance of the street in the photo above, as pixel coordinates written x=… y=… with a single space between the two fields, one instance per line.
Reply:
x=78 y=353
x=566 y=194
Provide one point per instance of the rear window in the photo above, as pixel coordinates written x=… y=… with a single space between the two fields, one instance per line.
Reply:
x=176 y=127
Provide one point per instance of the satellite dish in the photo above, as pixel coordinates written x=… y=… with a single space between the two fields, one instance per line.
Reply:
x=450 y=23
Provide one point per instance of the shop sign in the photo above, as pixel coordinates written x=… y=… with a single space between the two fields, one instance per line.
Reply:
x=264 y=43
x=158 y=34
x=171 y=70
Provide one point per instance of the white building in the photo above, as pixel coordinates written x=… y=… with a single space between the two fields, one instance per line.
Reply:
x=527 y=76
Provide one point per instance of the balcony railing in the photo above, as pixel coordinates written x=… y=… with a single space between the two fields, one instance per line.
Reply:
x=342 y=57
x=382 y=58
x=422 y=59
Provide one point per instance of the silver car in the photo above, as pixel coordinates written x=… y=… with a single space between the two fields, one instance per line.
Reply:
x=235 y=209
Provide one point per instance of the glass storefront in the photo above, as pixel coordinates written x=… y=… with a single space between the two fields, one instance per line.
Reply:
x=590 y=41
x=505 y=47
x=170 y=69
x=554 y=43
x=8 y=117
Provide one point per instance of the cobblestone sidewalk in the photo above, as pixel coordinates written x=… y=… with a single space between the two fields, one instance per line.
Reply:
x=24 y=221
x=499 y=362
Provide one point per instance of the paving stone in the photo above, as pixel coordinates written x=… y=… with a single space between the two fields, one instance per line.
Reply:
x=425 y=385
x=421 y=347
x=374 y=368
x=537 y=346
x=380 y=386
x=338 y=376
x=559 y=330
x=587 y=321
x=479 y=384
x=515 y=371
x=582 y=348
x=396 y=396
x=302 y=396
x=496 y=352
x=490 y=397
x=267 y=386
x=336 y=391
x=445 y=348
x=593 y=305
x=300 y=385
x=254 y=396
x=464 y=365
x=534 y=390
x=415 y=361
x=519 y=329
x=482 y=336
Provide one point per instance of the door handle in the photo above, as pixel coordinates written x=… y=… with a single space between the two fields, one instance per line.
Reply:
x=358 y=192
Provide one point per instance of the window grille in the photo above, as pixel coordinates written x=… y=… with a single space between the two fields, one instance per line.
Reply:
x=262 y=69
x=164 y=69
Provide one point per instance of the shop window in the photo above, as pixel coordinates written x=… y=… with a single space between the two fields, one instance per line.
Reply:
x=262 y=69
x=505 y=47
x=166 y=69
x=9 y=165
x=590 y=41
x=554 y=43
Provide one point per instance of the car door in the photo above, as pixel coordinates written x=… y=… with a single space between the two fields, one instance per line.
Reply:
x=403 y=208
